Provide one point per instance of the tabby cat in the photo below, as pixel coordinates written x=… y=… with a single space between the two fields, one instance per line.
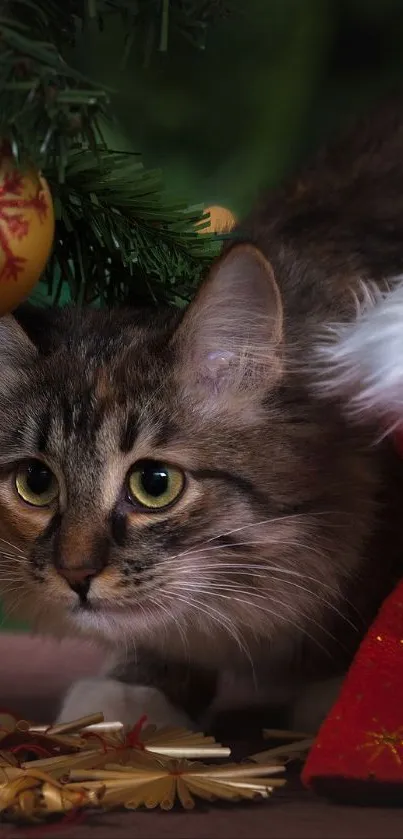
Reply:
x=173 y=486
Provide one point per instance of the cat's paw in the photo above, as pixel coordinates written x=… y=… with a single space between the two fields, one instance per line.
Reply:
x=121 y=702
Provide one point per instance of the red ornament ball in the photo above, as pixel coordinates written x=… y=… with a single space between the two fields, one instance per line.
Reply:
x=26 y=231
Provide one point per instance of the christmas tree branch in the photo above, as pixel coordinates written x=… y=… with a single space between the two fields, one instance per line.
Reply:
x=119 y=237
x=46 y=104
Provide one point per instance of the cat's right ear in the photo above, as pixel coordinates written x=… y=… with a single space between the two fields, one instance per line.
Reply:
x=16 y=349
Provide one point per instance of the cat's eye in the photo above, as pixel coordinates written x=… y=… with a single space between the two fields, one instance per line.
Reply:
x=36 y=484
x=154 y=485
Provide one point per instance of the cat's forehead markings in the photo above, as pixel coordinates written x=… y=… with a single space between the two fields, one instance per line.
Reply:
x=103 y=389
x=128 y=432
x=117 y=464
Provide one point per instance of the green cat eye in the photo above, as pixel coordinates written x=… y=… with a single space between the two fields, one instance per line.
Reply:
x=36 y=484
x=154 y=485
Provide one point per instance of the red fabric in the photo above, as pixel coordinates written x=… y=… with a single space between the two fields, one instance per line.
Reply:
x=362 y=738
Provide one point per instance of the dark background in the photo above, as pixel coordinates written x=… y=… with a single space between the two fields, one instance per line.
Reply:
x=275 y=78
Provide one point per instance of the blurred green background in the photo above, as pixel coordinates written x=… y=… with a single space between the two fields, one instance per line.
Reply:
x=276 y=76
x=275 y=79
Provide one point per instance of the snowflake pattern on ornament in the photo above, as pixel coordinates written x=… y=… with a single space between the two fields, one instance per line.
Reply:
x=13 y=224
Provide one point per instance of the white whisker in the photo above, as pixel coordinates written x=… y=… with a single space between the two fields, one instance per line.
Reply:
x=269 y=521
x=221 y=620
x=10 y=545
x=213 y=587
x=269 y=611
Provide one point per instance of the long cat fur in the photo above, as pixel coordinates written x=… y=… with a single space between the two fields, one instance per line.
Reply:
x=288 y=535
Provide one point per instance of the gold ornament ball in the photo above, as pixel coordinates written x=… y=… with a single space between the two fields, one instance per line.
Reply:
x=221 y=220
x=27 y=225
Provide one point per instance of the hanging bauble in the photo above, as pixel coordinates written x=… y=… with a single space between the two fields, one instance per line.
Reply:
x=26 y=230
x=221 y=220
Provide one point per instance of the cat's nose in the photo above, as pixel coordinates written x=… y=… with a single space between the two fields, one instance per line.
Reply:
x=78 y=579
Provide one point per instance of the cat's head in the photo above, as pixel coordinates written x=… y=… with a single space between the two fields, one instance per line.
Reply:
x=167 y=474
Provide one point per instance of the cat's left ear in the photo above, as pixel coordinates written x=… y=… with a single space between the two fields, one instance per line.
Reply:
x=230 y=339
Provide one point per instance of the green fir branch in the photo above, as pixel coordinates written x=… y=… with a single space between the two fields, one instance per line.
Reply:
x=119 y=236
x=46 y=106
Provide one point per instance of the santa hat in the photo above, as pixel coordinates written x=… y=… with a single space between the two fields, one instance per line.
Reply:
x=358 y=753
x=363 y=361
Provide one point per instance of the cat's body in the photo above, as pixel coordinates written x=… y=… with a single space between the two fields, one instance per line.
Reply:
x=281 y=530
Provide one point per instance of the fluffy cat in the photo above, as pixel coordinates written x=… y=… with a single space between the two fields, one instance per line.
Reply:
x=172 y=484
